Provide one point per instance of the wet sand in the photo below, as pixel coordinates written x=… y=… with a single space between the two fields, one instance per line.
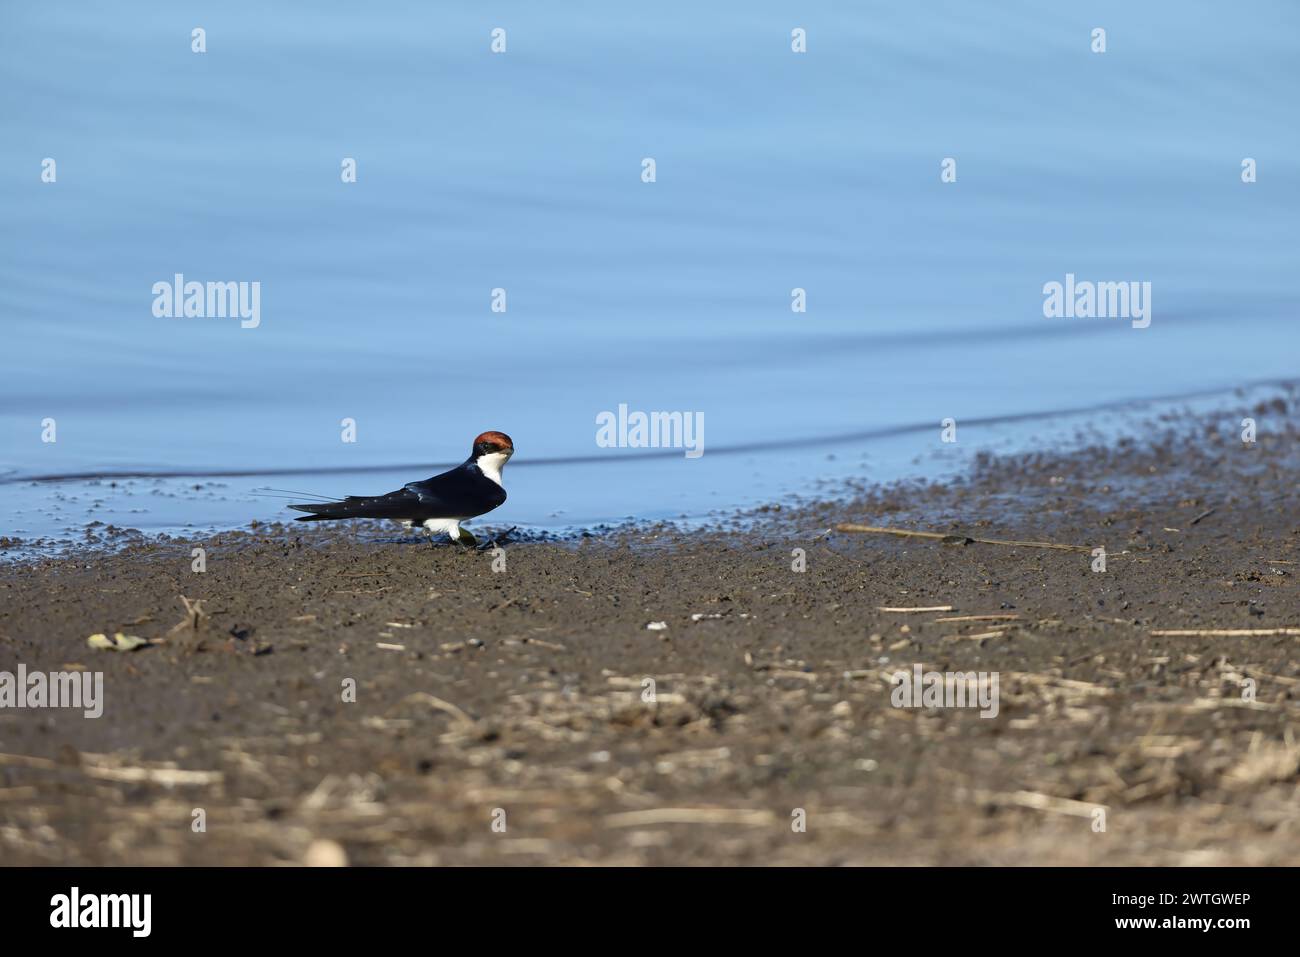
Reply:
x=516 y=698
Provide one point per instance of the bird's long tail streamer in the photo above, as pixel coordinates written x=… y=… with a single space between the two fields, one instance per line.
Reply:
x=291 y=494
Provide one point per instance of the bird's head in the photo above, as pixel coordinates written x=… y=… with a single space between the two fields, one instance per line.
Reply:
x=494 y=444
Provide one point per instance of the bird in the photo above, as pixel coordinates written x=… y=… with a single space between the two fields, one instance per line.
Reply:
x=438 y=504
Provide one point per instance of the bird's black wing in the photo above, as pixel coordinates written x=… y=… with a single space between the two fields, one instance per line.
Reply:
x=461 y=493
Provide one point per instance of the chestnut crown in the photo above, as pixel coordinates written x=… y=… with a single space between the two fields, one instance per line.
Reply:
x=490 y=442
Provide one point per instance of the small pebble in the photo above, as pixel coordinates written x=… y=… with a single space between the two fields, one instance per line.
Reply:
x=322 y=853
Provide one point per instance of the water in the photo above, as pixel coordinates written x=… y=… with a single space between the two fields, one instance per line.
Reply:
x=522 y=171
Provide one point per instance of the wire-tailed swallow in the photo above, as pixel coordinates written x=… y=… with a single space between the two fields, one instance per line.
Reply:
x=437 y=504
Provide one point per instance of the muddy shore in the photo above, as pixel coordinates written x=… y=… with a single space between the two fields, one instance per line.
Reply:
x=500 y=714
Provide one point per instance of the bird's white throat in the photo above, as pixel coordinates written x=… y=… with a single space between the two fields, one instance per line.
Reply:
x=492 y=464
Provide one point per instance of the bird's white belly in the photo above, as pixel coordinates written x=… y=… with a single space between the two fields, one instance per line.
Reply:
x=449 y=525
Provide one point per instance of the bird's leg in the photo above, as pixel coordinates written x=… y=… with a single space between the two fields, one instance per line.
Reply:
x=463 y=536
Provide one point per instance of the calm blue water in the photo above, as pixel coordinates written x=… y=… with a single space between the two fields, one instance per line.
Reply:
x=523 y=171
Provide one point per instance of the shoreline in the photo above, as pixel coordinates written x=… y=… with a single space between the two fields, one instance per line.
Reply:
x=65 y=518
x=523 y=690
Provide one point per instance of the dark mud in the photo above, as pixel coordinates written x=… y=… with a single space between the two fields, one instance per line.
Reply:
x=518 y=696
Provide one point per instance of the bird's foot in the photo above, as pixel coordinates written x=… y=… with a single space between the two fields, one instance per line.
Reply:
x=500 y=539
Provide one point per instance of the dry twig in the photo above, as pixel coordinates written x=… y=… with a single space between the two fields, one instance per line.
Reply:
x=905 y=533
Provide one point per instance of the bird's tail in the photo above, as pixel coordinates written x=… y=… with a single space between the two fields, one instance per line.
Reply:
x=355 y=506
x=324 y=511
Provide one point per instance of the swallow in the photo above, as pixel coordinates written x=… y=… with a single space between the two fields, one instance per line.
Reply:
x=437 y=504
